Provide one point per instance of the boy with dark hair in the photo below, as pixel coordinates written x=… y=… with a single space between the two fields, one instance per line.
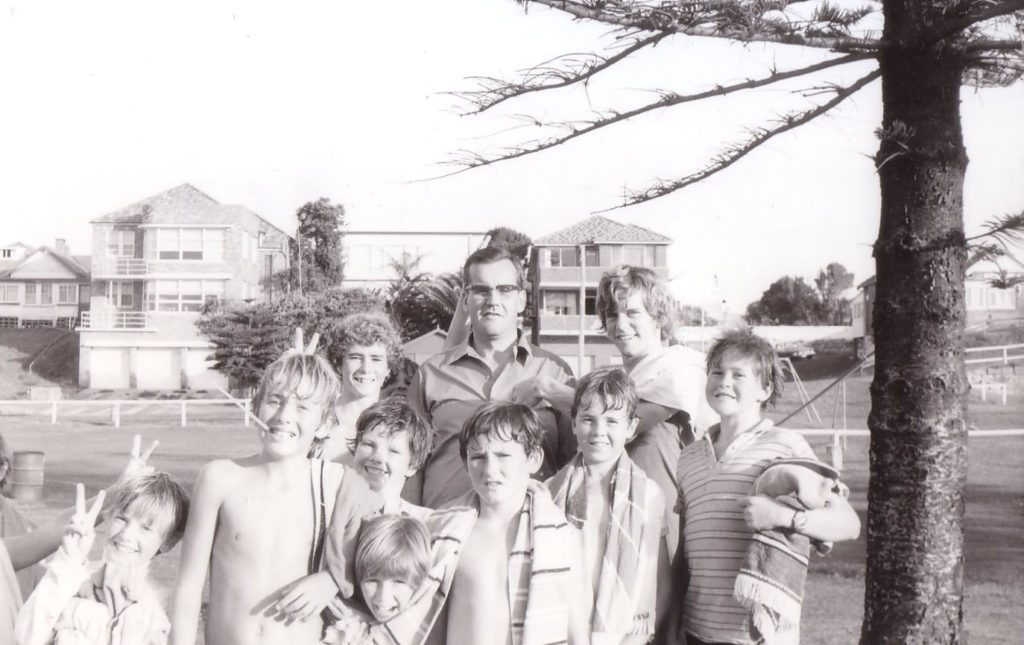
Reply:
x=618 y=509
x=716 y=483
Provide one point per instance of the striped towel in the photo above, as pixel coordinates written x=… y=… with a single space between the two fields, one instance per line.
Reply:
x=771 y=579
x=624 y=605
x=538 y=574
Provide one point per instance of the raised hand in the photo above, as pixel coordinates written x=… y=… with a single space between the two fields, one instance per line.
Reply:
x=137 y=461
x=80 y=532
x=306 y=597
x=304 y=348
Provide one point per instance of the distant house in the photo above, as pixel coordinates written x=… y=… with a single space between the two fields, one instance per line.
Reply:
x=567 y=266
x=42 y=287
x=370 y=257
x=155 y=263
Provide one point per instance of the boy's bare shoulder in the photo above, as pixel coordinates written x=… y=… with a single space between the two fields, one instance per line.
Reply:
x=224 y=472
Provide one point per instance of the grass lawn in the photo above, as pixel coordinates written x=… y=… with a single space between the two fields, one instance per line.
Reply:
x=93 y=452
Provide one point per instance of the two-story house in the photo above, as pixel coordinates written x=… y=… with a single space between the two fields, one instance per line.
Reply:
x=42 y=287
x=155 y=263
x=567 y=266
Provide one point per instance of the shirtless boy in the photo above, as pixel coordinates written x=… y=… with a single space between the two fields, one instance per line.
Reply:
x=259 y=523
x=618 y=509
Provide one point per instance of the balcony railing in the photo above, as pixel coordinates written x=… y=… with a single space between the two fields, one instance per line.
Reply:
x=571 y=275
x=114 y=320
x=559 y=324
x=123 y=266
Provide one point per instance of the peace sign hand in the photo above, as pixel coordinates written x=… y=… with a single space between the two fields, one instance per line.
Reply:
x=137 y=461
x=80 y=532
x=300 y=347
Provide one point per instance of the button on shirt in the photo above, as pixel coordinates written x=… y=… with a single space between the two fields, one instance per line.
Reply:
x=449 y=387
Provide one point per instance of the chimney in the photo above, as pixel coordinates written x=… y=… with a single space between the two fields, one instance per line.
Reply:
x=61 y=246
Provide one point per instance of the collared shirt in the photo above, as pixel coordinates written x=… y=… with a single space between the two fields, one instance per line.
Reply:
x=450 y=386
x=715 y=536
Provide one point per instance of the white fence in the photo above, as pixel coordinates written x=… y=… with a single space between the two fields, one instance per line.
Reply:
x=116 y=408
x=774 y=333
x=994 y=354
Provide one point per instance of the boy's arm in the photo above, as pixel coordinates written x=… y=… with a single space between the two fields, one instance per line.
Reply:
x=412 y=492
x=38 y=618
x=354 y=502
x=196 y=547
x=834 y=522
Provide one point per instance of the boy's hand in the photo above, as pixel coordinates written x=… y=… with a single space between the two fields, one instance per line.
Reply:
x=80 y=531
x=762 y=512
x=137 y=461
x=300 y=347
x=306 y=597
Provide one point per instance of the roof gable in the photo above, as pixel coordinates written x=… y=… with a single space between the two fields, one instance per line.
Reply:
x=181 y=204
x=45 y=264
x=601 y=230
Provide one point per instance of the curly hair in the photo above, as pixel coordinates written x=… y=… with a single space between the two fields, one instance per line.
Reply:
x=619 y=282
x=370 y=328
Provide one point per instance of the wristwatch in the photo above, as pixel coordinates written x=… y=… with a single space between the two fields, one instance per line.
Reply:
x=799 y=521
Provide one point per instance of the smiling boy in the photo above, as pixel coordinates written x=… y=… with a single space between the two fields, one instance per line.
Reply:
x=392 y=442
x=261 y=523
x=619 y=511
x=717 y=514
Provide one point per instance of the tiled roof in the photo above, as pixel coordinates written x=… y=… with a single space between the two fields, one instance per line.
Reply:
x=601 y=230
x=71 y=263
x=164 y=207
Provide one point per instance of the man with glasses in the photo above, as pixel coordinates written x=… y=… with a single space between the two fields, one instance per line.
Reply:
x=486 y=366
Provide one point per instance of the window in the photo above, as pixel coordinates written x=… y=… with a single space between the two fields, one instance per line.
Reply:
x=9 y=293
x=8 y=253
x=268 y=267
x=564 y=256
x=121 y=243
x=560 y=303
x=67 y=294
x=45 y=293
x=590 y=302
x=120 y=294
x=183 y=295
x=30 y=293
x=205 y=244
x=637 y=255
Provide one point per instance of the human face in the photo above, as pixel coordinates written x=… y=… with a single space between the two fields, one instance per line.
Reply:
x=385 y=597
x=292 y=419
x=384 y=461
x=133 y=538
x=364 y=369
x=602 y=433
x=632 y=328
x=499 y=469
x=734 y=388
x=494 y=311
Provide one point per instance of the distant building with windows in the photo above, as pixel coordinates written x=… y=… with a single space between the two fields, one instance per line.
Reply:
x=42 y=287
x=371 y=257
x=567 y=267
x=155 y=264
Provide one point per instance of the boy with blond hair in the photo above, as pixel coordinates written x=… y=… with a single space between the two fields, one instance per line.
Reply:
x=392 y=443
x=262 y=523
x=114 y=602
x=618 y=509
x=718 y=513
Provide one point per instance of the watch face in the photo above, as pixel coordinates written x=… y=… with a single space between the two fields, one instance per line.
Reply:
x=799 y=520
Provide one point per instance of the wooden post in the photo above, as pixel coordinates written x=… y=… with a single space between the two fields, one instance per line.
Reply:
x=116 y=415
x=184 y=414
x=247 y=411
x=53 y=411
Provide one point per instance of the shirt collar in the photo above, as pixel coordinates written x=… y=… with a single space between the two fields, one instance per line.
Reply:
x=523 y=349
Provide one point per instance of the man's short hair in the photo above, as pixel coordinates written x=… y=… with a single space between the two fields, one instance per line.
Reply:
x=369 y=328
x=396 y=415
x=291 y=370
x=506 y=421
x=490 y=255
x=154 y=495
x=748 y=345
x=619 y=282
x=609 y=385
x=393 y=547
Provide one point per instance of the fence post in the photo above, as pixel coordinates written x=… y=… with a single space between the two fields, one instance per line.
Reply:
x=184 y=414
x=247 y=408
x=53 y=411
x=115 y=414
x=1006 y=358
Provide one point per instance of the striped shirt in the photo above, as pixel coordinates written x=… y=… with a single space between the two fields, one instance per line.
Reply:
x=715 y=536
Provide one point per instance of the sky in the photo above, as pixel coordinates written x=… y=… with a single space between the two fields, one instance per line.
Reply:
x=271 y=105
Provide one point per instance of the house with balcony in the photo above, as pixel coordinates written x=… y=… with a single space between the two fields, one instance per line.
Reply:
x=42 y=287
x=155 y=264
x=566 y=269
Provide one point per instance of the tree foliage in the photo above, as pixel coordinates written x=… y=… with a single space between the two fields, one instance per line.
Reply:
x=831 y=282
x=421 y=306
x=316 y=263
x=788 y=301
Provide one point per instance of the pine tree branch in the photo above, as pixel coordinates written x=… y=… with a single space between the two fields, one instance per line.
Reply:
x=734 y=154
x=469 y=160
x=546 y=76
x=991 y=10
x=1004 y=229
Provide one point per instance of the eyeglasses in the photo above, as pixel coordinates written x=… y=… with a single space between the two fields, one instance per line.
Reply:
x=483 y=291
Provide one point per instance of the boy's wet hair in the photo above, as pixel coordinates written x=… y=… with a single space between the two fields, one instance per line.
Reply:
x=369 y=328
x=393 y=547
x=396 y=415
x=618 y=282
x=490 y=255
x=153 y=495
x=506 y=421
x=609 y=385
x=291 y=370
x=748 y=345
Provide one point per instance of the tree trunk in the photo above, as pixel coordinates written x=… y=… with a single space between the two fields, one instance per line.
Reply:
x=918 y=456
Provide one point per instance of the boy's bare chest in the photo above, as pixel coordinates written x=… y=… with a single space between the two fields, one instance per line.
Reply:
x=260 y=518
